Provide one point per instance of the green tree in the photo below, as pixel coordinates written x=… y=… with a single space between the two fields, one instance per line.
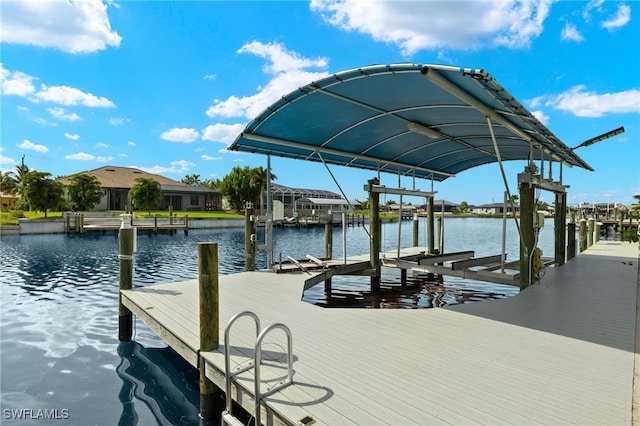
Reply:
x=464 y=207
x=84 y=191
x=41 y=192
x=237 y=187
x=193 y=180
x=8 y=183
x=145 y=193
x=211 y=183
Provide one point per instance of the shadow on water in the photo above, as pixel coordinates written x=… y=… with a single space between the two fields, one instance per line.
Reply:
x=163 y=382
x=419 y=291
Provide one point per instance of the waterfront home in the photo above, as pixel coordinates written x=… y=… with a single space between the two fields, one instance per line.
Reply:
x=117 y=181
x=495 y=208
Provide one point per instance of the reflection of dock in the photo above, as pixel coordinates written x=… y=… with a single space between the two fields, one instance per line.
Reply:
x=559 y=352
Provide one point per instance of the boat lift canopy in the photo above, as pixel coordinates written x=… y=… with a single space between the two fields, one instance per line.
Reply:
x=426 y=121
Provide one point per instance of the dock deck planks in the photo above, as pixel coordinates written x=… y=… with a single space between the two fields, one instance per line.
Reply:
x=560 y=352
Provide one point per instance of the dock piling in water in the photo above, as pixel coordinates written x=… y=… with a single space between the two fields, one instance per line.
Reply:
x=583 y=234
x=249 y=239
x=125 y=245
x=209 y=321
x=375 y=229
x=571 y=240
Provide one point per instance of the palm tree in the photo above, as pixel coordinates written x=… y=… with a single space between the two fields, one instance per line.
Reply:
x=8 y=183
x=19 y=177
x=259 y=179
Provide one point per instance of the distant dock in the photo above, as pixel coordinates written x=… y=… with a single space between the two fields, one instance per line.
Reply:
x=79 y=223
x=560 y=352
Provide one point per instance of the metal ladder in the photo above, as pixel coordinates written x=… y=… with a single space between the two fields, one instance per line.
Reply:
x=227 y=416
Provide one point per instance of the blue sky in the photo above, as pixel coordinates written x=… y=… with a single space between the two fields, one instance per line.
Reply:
x=167 y=86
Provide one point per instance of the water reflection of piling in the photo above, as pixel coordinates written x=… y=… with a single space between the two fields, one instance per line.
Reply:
x=161 y=380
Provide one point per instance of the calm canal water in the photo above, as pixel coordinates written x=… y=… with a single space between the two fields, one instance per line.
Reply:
x=59 y=353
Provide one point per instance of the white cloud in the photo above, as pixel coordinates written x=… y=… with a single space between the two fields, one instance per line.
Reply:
x=6 y=160
x=119 y=121
x=179 y=166
x=18 y=83
x=44 y=122
x=15 y=83
x=101 y=145
x=223 y=133
x=210 y=77
x=582 y=103
x=570 y=32
x=209 y=157
x=622 y=17
x=74 y=137
x=131 y=143
x=71 y=26
x=418 y=25
x=26 y=144
x=540 y=116
x=65 y=95
x=103 y=159
x=289 y=72
x=22 y=108
x=177 y=134
x=61 y=115
x=82 y=156
x=593 y=4
x=183 y=165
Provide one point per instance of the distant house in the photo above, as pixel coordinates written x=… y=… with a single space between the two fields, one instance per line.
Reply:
x=407 y=209
x=494 y=208
x=8 y=201
x=117 y=181
x=333 y=207
x=289 y=197
x=449 y=207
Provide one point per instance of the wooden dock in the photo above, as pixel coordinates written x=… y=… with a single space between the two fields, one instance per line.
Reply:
x=560 y=352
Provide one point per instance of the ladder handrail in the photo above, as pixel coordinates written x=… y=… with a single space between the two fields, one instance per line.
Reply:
x=227 y=355
x=258 y=360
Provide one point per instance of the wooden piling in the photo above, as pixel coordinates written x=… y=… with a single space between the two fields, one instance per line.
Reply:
x=155 y=223
x=186 y=224
x=125 y=246
x=583 y=234
x=209 y=321
x=328 y=240
x=559 y=226
x=375 y=229
x=440 y=236
x=527 y=243
x=571 y=240
x=249 y=240
x=590 y=227
x=431 y=227
x=416 y=243
x=596 y=231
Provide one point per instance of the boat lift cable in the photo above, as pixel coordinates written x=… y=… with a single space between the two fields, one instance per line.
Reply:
x=504 y=178
x=340 y=188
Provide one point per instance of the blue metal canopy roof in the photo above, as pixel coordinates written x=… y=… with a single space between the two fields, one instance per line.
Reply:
x=417 y=120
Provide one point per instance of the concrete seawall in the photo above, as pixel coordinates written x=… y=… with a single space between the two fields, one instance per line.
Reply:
x=57 y=225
